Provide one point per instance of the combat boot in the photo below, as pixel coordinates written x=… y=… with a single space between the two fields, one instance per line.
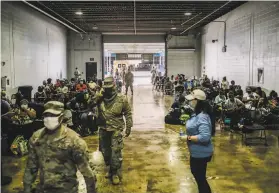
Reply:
x=115 y=180
x=108 y=175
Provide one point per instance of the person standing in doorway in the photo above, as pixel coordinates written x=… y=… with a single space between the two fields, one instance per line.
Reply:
x=129 y=80
x=111 y=110
x=199 y=138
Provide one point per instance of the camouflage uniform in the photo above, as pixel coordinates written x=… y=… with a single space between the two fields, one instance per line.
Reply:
x=111 y=125
x=129 y=79
x=57 y=156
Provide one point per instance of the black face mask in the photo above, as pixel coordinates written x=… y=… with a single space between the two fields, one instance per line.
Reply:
x=107 y=92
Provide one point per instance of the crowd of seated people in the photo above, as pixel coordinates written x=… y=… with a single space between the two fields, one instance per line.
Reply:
x=78 y=96
x=227 y=99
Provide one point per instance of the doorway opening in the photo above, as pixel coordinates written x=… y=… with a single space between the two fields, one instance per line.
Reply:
x=91 y=70
x=141 y=58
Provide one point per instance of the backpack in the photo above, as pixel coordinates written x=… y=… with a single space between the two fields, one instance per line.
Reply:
x=19 y=146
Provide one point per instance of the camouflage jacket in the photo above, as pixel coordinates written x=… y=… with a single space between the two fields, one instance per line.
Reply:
x=57 y=157
x=129 y=77
x=111 y=111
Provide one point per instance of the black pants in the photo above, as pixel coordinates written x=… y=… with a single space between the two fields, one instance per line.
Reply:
x=198 y=169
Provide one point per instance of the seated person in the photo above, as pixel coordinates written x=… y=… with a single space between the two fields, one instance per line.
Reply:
x=5 y=107
x=178 y=91
x=262 y=96
x=81 y=86
x=49 y=84
x=68 y=117
x=250 y=99
x=92 y=85
x=232 y=108
x=219 y=102
x=58 y=83
x=64 y=88
x=273 y=100
x=172 y=79
x=83 y=106
x=206 y=83
x=220 y=99
x=238 y=92
x=232 y=86
x=4 y=96
x=24 y=114
x=175 y=112
x=168 y=86
x=40 y=95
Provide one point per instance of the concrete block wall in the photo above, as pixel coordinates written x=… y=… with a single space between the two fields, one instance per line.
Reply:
x=80 y=49
x=181 y=61
x=33 y=46
x=252 y=42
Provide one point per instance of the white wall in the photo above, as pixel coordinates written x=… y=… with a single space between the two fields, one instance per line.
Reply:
x=33 y=46
x=180 y=61
x=81 y=49
x=252 y=43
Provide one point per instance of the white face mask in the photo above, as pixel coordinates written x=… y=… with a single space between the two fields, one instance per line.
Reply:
x=24 y=106
x=51 y=123
x=13 y=101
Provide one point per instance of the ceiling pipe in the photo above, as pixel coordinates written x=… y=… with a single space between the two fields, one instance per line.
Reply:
x=135 y=23
x=205 y=17
x=61 y=16
x=45 y=13
x=191 y=19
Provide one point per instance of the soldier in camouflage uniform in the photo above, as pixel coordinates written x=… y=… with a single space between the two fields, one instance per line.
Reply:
x=111 y=125
x=129 y=80
x=57 y=152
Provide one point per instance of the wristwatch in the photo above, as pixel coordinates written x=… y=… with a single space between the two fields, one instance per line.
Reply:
x=189 y=138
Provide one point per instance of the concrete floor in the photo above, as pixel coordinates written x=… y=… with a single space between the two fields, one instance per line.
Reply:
x=157 y=161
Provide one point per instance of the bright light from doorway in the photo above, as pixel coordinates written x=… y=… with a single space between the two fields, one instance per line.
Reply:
x=187 y=13
x=79 y=13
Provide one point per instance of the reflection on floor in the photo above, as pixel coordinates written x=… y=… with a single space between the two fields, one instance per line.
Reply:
x=157 y=161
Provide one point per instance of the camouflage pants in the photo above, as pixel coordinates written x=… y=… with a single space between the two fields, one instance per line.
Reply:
x=111 y=145
x=129 y=85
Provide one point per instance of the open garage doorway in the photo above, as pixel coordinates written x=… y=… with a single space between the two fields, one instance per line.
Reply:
x=140 y=57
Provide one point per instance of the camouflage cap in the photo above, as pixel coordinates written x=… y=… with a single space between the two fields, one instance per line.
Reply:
x=108 y=82
x=54 y=107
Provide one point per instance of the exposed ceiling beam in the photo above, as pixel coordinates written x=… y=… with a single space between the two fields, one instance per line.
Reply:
x=135 y=20
x=205 y=17
x=45 y=13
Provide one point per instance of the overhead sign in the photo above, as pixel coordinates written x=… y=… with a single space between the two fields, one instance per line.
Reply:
x=91 y=59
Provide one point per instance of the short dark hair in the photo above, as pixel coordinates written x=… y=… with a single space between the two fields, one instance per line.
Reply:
x=181 y=99
x=203 y=106
x=231 y=93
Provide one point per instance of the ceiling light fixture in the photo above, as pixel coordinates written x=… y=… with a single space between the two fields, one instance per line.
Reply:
x=79 y=13
x=173 y=28
x=187 y=13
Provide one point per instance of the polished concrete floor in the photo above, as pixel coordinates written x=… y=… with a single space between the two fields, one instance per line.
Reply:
x=157 y=161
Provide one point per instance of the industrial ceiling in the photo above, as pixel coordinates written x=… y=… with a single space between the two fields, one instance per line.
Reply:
x=136 y=17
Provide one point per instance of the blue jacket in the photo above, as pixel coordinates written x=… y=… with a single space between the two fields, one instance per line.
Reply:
x=200 y=125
